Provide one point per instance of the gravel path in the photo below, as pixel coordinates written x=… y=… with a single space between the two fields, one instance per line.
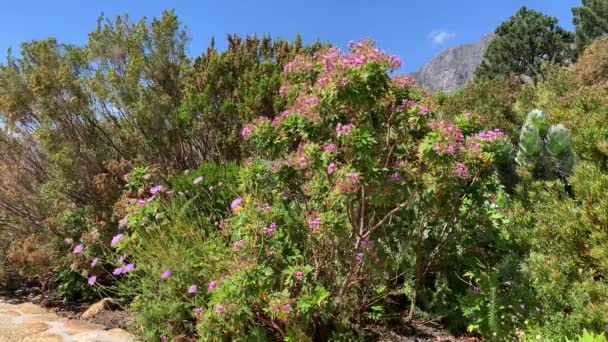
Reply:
x=31 y=323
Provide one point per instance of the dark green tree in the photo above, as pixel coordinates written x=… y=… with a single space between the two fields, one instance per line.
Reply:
x=524 y=43
x=591 y=21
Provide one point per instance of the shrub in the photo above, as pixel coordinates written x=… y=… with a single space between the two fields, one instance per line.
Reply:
x=592 y=66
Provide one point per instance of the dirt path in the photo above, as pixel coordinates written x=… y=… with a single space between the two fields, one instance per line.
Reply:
x=31 y=323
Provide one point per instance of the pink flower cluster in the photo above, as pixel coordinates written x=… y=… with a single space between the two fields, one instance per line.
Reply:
x=248 y=128
x=270 y=230
x=350 y=182
x=485 y=136
x=306 y=105
x=329 y=148
x=314 y=222
x=298 y=64
x=460 y=170
x=277 y=120
x=450 y=138
x=344 y=129
x=404 y=81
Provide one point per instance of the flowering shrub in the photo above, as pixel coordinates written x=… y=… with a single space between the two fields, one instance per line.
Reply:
x=353 y=159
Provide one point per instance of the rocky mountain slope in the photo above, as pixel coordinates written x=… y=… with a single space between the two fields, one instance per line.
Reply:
x=453 y=67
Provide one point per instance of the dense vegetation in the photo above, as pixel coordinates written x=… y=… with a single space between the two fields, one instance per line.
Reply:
x=282 y=191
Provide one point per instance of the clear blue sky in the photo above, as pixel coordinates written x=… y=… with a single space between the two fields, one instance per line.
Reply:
x=413 y=29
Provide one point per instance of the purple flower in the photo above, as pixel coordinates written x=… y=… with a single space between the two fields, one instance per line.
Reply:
x=118 y=270
x=165 y=274
x=424 y=110
x=270 y=230
x=192 y=289
x=476 y=289
x=266 y=207
x=239 y=244
x=94 y=262
x=92 y=280
x=121 y=259
x=359 y=257
x=212 y=285
x=287 y=307
x=163 y=338
x=116 y=239
x=396 y=177
x=299 y=275
x=78 y=249
x=198 y=312
x=219 y=308
x=128 y=268
x=156 y=189
x=331 y=168
x=236 y=203
x=197 y=180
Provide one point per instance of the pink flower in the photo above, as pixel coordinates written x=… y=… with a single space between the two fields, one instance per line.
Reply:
x=192 y=289
x=78 y=249
x=163 y=338
x=460 y=170
x=331 y=168
x=270 y=230
x=219 y=308
x=344 y=129
x=299 y=275
x=396 y=177
x=92 y=280
x=211 y=286
x=166 y=274
x=246 y=131
x=197 y=180
x=424 y=110
x=329 y=147
x=128 y=268
x=197 y=313
x=287 y=307
x=116 y=239
x=156 y=189
x=239 y=244
x=266 y=207
x=94 y=262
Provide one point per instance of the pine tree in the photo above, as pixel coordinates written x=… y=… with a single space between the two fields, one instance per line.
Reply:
x=591 y=21
x=524 y=43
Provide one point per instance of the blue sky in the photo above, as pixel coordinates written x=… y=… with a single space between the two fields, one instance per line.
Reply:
x=413 y=29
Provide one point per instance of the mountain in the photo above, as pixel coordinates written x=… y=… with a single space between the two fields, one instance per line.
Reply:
x=453 y=67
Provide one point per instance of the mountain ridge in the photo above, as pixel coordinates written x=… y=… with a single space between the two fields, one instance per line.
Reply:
x=453 y=67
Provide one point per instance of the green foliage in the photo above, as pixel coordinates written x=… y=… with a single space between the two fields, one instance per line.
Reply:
x=589 y=337
x=591 y=22
x=72 y=285
x=524 y=44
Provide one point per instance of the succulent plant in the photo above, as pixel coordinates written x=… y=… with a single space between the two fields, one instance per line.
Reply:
x=547 y=149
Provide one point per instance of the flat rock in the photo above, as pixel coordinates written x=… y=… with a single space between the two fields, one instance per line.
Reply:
x=31 y=308
x=73 y=327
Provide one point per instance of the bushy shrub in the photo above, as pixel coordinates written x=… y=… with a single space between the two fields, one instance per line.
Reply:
x=492 y=101
x=592 y=66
